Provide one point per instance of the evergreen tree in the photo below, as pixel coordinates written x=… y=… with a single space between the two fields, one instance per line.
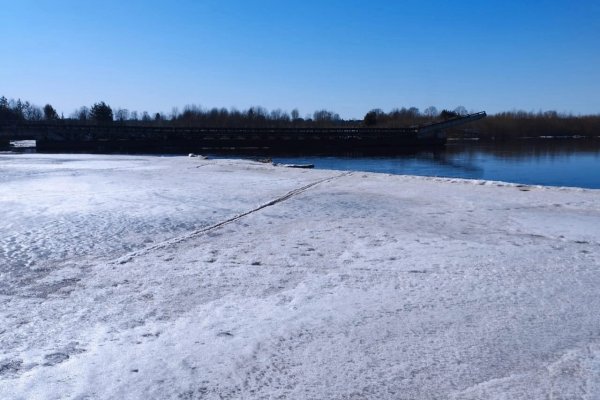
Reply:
x=50 y=113
x=101 y=112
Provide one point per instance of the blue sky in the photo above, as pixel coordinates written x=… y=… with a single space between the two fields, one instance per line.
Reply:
x=348 y=56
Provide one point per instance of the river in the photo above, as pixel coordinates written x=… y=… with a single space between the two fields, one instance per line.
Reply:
x=551 y=162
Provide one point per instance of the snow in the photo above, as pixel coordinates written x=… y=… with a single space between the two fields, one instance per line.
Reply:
x=128 y=277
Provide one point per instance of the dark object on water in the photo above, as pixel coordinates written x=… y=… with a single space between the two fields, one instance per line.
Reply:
x=307 y=166
x=60 y=136
x=265 y=160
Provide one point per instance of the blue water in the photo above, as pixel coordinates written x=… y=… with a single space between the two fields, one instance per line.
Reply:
x=533 y=162
x=551 y=162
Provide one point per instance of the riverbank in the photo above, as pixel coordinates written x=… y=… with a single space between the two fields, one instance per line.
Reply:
x=548 y=162
x=148 y=277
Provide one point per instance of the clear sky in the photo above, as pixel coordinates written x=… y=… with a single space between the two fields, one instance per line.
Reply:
x=347 y=56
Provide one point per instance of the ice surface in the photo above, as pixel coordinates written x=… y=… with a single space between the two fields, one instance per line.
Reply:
x=146 y=277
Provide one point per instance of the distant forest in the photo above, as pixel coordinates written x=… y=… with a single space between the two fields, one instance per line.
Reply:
x=501 y=126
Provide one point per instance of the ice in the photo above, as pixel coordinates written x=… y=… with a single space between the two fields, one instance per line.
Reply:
x=152 y=277
x=85 y=208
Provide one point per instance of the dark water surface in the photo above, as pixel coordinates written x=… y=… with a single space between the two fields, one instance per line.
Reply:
x=552 y=162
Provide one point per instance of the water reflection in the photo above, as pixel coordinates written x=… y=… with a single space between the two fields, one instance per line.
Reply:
x=444 y=159
x=528 y=148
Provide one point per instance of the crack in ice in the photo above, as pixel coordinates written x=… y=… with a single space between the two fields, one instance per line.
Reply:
x=127 y=258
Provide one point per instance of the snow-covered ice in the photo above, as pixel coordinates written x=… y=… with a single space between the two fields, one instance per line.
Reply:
x=127 y=277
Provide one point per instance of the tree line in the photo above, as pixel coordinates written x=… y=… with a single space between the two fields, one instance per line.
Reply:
x=504 y=125
x=521 y=124
x=192 y=115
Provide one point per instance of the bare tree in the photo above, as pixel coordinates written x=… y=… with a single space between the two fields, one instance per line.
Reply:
x=413 y=112
x=81 y=114
x=122 y=114
x=31 y=112
x=431 y=112
x=295 y=114
x=174 y=113
x=460 y=110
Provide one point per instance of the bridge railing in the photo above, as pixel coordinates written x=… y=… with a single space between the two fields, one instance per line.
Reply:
x=69 y=131
x=453 y=122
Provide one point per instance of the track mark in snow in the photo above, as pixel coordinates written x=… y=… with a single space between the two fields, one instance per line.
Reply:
x=8 y=367
x=125 y=259
x=55 y=358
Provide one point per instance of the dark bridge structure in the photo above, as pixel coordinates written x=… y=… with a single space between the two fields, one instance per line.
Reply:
x=64 y=136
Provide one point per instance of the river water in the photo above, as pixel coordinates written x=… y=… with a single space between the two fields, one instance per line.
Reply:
x=552 y=162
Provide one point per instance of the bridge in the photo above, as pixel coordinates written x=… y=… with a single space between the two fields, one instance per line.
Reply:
x=66 y=136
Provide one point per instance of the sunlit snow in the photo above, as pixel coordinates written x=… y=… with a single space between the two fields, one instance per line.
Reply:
x=130 y=277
